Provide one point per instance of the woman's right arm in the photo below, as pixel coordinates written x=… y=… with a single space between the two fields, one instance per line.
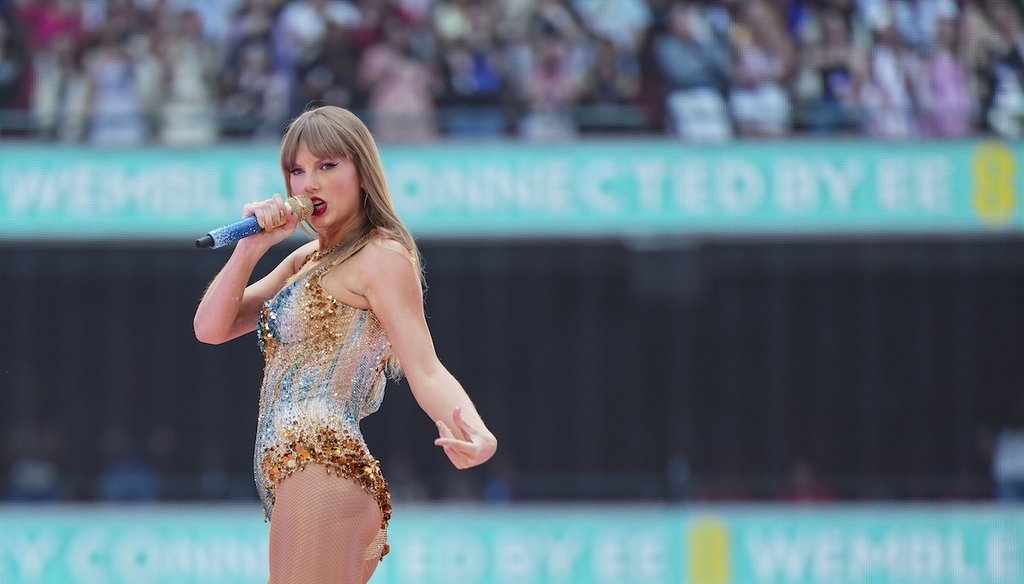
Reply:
x=230 y=305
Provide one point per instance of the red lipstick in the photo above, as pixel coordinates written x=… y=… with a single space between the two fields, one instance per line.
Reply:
x=319 y=205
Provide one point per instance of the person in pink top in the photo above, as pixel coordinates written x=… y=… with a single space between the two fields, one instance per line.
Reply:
x=944 y=98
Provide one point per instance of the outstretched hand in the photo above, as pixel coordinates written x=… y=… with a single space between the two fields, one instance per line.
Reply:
x=476 y=448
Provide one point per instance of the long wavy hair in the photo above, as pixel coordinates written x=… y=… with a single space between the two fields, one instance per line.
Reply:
x=330 y=132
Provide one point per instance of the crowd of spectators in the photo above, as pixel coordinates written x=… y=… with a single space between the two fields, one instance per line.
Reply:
x=192 y=72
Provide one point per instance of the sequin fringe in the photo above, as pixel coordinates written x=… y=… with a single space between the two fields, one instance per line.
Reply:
x=341 y=453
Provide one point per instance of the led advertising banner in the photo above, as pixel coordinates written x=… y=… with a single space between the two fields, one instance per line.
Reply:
x=507 y=190
x=578 y=544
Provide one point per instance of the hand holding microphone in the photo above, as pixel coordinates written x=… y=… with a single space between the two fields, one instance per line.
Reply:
x=261 y=216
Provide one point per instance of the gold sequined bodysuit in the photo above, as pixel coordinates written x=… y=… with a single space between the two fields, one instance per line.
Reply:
x=325 y=369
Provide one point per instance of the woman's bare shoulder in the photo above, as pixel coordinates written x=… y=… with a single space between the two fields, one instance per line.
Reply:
x=386 y=257
x=383 y=245
x=388 y=275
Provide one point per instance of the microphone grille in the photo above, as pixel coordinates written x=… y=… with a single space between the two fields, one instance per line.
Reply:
x=301 y=205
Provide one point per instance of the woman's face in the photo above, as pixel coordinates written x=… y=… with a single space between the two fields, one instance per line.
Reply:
x=333 y=186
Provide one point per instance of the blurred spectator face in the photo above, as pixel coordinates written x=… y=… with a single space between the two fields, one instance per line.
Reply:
x=552 y=51
x=681 y=20
x=1006 y=20
x=191 y=25
x=887 y=34
x=764 y=23
x=945 y=33
x=336 y=36
x=251 y=7
x=835 y=27
x=478 y=39
x=755 y=12
x=255 y=57
x=397 y=36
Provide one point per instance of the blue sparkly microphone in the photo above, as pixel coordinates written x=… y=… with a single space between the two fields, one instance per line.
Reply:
x=301 y=206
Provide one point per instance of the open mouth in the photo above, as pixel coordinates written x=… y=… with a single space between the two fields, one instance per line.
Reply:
x=319 y=205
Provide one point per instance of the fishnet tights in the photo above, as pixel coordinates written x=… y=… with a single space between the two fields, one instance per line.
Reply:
x=324 y=530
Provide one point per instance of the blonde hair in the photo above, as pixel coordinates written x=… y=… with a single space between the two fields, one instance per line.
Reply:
x=330 y=131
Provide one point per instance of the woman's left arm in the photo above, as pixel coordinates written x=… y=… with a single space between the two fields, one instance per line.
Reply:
x=392 y=287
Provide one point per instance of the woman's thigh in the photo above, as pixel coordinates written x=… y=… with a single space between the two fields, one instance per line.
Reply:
x=320 y=529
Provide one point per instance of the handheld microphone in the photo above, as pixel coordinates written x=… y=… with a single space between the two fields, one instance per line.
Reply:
x=228 y=234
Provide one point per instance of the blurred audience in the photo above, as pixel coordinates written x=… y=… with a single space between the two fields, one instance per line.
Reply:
x=1008 y=464
x=1006 y=112
x=400 y=86
x=254 y=97
x=502 y=483
x=188 y=73
x=884 y=88
x=944 y=93
x=694 y=68
x=188 y=108
x=34 y=465
x=128 y=474
x=15 y=68
x=474 y=71
x=764 y=63
x=805 y=486
x=552 y=87
x=116 y=113
x=825 y=92
x=678 y=477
